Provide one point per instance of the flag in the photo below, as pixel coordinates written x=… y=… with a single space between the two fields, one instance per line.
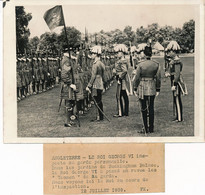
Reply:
x=54 y=17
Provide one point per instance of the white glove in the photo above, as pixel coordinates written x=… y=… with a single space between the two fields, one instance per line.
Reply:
x=88 y=89
x=157 y=93
x=173 y=88
x=48 y=74
x=114 y=71
x=73 y=87
x=33 y=77
x=167 y=74
x=135 y=93
x=134 y=71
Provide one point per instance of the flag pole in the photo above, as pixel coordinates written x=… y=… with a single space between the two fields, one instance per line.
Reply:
x=72 y=68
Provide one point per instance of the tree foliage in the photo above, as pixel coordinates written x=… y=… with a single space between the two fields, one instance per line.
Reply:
x=22 y=30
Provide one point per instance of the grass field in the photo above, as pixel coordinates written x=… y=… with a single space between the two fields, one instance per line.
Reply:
x=38 y=115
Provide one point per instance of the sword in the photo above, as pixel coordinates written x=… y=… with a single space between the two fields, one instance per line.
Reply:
x=98 y=107
x=59 y=107
x=140 y=107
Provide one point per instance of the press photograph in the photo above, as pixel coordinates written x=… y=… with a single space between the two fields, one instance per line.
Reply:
x=105 y=70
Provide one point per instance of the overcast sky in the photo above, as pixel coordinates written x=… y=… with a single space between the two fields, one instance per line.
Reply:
x=110 y=17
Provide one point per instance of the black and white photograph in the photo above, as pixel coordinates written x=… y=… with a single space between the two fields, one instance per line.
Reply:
x=106 y=71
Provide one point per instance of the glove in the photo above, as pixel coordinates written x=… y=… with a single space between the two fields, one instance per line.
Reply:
x=73 y=87
x=134 y=72
x=88 y=89
x=157 y=93
x=33 y=77
x=114 y=71
x=173 y=88
x=135 y=93
x=167 y=74
x=48 y=74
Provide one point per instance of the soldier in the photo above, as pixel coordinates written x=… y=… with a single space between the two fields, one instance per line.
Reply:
x=120 y=70
x=173 y=71
x=18 y=79
x=147 y=85
x=96 y=84
x=36 y=76
x=67 y=87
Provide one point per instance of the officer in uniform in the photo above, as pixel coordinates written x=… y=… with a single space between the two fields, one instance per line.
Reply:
x=146 y=86
x=173 y=71
x=96 y=83
x=120 y=71
x=67 y=87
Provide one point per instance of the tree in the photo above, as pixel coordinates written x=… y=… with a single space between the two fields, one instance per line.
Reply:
x=34 y=43
x=130 y=35
x=22 y=30
x=49 y=42
x=142 y=35
x=188 y=35
x=74 y=38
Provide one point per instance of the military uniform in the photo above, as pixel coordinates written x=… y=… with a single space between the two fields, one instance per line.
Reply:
x=121 y=69
x=147 y=82
x=97 y=85
x=67 y=92
x=175 y=68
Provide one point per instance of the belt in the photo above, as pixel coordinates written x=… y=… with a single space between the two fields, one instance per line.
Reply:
x=147 y=79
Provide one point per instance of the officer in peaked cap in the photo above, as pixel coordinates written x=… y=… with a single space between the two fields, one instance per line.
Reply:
x=96 y=83
x=147 y=84
x=120 y=71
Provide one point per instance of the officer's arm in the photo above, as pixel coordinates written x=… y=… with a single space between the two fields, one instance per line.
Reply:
x=94 y=72
x=158 y=78
x=137 y=78
x=124 y=70
x=177 y=73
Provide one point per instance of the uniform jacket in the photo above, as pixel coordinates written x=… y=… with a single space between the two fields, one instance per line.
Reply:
x=148 y=78
x=67 y=92
x=121 y=67
x=97 y=77
x=175 y=68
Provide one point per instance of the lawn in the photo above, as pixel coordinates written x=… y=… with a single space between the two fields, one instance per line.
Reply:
x=38 y=115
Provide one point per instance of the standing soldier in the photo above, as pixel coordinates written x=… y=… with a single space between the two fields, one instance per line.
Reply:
x=36 y=76
x=178 y=87
x=67 y=87
x=41 y=74
x=120 y=70
x=18 y=79
x=146 y=86
x=95 y=84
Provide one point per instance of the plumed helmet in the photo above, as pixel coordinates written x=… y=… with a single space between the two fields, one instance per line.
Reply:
x=141 y=47
x=133 y=49
x=121 y=47
x=173 y=45
x=96 y=49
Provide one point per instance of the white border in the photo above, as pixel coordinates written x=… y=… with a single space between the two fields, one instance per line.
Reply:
x=10 y=105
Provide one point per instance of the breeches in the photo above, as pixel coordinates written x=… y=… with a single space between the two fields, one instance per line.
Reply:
x=121 y=95
x=98 y=100
x=147 y=106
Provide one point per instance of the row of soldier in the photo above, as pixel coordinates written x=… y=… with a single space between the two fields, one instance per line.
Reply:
x=40 y=73
x=36 y=74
